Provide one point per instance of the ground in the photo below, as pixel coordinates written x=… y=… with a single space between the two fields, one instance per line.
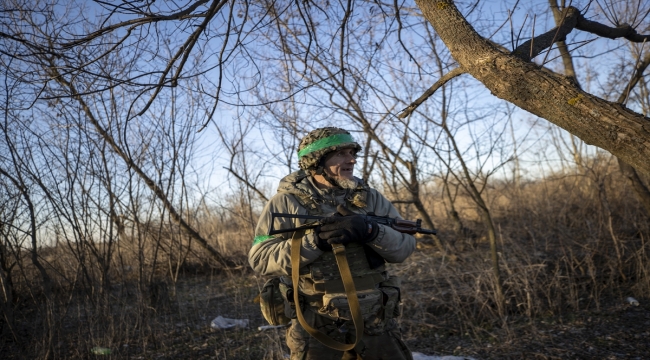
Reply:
x=179 y=328
x=618 y=330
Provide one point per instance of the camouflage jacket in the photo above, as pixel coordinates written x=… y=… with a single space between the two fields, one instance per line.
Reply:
x=297 y=194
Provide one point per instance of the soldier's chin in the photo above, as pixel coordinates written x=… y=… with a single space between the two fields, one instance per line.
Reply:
x=346 y=183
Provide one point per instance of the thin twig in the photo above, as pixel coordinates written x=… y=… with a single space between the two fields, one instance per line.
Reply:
x=532 y=39
x=636 y=66
x=559 y=27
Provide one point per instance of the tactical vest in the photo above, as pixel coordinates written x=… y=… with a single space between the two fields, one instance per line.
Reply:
x=320 y=281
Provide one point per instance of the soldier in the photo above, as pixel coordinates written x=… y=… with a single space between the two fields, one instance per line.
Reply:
x=327 y=157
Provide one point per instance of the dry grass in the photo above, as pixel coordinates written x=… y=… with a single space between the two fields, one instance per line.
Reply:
x=567 y=262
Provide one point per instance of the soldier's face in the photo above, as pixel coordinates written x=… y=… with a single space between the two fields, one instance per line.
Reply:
x=340 y=164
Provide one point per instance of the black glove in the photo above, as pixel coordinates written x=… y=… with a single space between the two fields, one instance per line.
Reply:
x=322 y=243
x=347 y=229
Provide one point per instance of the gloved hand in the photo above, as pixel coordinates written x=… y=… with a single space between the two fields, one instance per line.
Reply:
x=322 y=243
x=346 y=229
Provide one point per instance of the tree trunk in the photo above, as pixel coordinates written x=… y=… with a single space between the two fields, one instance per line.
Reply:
x=553 y=97
x=628 y=171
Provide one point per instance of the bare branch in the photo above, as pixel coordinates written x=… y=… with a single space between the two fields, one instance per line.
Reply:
x=150 y=18
x=157 y=190
x=245 y=181
x=638 y=74
x=442 y=81
x=533 y=47
x=399 y=36
x=185 y=51
x=573 y=19
x=623 y=31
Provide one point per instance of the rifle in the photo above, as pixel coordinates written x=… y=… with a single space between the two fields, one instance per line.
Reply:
x=403 y=226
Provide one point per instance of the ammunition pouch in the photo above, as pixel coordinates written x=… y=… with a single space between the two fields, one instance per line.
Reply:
x=392 y=298
x=272 y=303
x=289 y=303
x=337 y=307
x=331 y=286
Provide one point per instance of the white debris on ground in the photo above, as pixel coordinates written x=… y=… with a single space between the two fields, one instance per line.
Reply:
x=632 y=301
x=420 y=356
x=223 y=323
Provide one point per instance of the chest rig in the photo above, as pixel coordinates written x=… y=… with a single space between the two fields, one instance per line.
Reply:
x=320 y=281
x=343 y=284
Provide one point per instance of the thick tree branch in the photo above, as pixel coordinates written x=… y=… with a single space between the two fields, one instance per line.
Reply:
x=622 y=31
x=573 y=19
x=596 y=121
x=627 y=170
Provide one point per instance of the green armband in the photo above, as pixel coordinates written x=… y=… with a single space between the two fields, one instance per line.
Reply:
x=261 y=238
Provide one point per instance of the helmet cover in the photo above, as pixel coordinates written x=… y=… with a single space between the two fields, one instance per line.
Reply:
x=319 y=142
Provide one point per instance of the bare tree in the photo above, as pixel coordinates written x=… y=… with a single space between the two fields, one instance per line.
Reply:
x=527 y=86
x=567 y=59
x=345 y=90
x=512 y=77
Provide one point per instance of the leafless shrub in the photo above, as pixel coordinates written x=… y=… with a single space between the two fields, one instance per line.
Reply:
x=557 y=257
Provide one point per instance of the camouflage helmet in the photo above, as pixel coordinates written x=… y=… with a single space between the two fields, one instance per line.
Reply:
x=320 y=142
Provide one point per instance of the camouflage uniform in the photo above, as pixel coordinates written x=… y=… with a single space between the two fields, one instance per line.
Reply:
x=320 y=287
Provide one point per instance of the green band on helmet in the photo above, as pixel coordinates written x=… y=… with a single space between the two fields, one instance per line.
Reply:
x=326 y=142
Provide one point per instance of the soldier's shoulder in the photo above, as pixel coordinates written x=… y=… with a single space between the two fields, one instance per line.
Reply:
x=282 y=197
x=375 y=193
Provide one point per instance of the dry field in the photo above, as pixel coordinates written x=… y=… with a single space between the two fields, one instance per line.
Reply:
x=568 y=263
x=440 y=318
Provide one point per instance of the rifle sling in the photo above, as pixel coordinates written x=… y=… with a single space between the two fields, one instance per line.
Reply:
x=350 y=292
